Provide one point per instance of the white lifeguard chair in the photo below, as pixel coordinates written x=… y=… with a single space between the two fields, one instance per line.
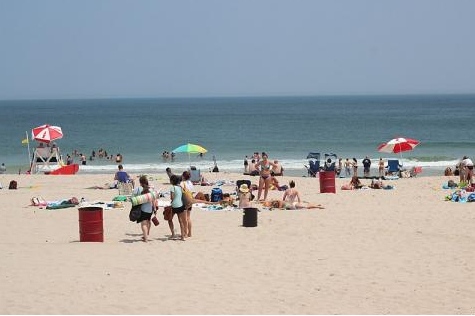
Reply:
x=46 y=159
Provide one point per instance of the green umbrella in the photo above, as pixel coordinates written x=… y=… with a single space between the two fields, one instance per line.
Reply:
x=190 y=149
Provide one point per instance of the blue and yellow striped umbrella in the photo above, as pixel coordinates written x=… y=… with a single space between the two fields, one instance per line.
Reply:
x=190 y=149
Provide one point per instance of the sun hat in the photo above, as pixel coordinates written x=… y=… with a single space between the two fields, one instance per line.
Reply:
x=243 y=188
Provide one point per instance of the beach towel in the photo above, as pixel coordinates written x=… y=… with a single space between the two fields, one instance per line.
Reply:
x=390 y=178
x=144 y=198
x=121 y=198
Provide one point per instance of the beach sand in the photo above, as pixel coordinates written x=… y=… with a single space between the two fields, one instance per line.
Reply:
x=402 y=251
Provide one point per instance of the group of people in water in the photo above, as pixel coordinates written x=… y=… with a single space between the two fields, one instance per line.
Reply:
x=101 y=154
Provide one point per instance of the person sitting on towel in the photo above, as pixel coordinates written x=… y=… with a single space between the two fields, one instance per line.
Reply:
x=355 y=183
x=122 y=176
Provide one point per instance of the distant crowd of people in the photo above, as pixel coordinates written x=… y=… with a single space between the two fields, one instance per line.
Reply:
x=101 y=154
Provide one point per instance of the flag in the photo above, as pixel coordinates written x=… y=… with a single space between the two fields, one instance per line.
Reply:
x=25 y=141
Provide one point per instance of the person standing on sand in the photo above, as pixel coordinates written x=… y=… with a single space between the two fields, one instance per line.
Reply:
x=366 y=166
x=3 y=169
x=381 y=167
x=347 y=168
x=187 y=184
x=468 y=166
x=355 y=167
x=340 y=167
x=265 y=176
x=146 y=208
x=246 y=165
x=178 y=208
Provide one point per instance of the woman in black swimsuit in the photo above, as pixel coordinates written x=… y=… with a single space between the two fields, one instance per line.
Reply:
x=264 y=166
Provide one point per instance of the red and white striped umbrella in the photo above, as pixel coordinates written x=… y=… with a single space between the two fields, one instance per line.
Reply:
x=398 y=145
x=46 y=133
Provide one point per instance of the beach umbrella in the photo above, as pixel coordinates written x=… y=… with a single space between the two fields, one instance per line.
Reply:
x=398 y=145
x=46 y=133
x=190 y=149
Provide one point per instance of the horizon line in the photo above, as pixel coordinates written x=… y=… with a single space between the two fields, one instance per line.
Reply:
x=247 y=96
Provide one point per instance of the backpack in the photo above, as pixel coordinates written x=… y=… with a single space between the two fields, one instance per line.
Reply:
x=216 y=195
x=13 y=185
x=135 y=212
x=186 y=196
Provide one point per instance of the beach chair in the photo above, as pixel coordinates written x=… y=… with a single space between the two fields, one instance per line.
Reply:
x=393 y=167
x=313 y=164
x=125 y=188
x=330 y=161
x=195 y=176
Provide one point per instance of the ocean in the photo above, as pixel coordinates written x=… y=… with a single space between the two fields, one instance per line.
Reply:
x=287 y=128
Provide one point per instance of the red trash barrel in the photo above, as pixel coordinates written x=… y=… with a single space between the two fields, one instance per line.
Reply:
x=90 y=224
x=327 y=181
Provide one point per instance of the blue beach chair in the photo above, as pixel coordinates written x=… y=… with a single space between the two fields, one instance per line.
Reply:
x=313 y=164
x=393 y=166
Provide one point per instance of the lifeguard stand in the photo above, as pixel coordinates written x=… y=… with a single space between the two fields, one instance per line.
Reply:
x=46 y=159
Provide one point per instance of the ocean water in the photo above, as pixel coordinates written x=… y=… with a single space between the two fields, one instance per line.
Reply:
x=287 y=128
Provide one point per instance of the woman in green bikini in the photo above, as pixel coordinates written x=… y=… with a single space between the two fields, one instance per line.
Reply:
x=264 y=166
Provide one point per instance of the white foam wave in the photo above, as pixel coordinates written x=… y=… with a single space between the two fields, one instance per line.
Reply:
x=237 y=165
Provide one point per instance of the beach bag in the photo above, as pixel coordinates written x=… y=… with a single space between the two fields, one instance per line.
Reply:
x=451 y=184
x=155 y=220
x=13 y=185
x=186 y=197
x=135 y=212
x=216 y=195
x=168 y=213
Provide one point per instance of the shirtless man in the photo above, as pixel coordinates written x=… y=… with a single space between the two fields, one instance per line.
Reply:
x=276 y=169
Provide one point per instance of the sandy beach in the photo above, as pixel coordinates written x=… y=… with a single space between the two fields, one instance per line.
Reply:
x=402 y=251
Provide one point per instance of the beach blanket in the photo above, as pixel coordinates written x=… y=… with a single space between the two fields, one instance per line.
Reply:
x=390 y=178
x=145 y=198
x=461 y=196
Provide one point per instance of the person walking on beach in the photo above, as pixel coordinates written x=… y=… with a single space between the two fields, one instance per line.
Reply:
x=381 y=167
x=347 y=167
x=3 y=169
x=178 y=208
x=264 y=167
x=146 y=208
x=366 y=166
x=355 y=167
x=188 y=185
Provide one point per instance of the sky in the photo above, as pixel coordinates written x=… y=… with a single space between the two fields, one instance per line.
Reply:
x=116 y=48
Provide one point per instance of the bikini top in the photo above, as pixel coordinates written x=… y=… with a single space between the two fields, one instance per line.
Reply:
x=265 y=167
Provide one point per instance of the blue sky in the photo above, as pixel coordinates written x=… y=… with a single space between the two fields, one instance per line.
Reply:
x=88 y=49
